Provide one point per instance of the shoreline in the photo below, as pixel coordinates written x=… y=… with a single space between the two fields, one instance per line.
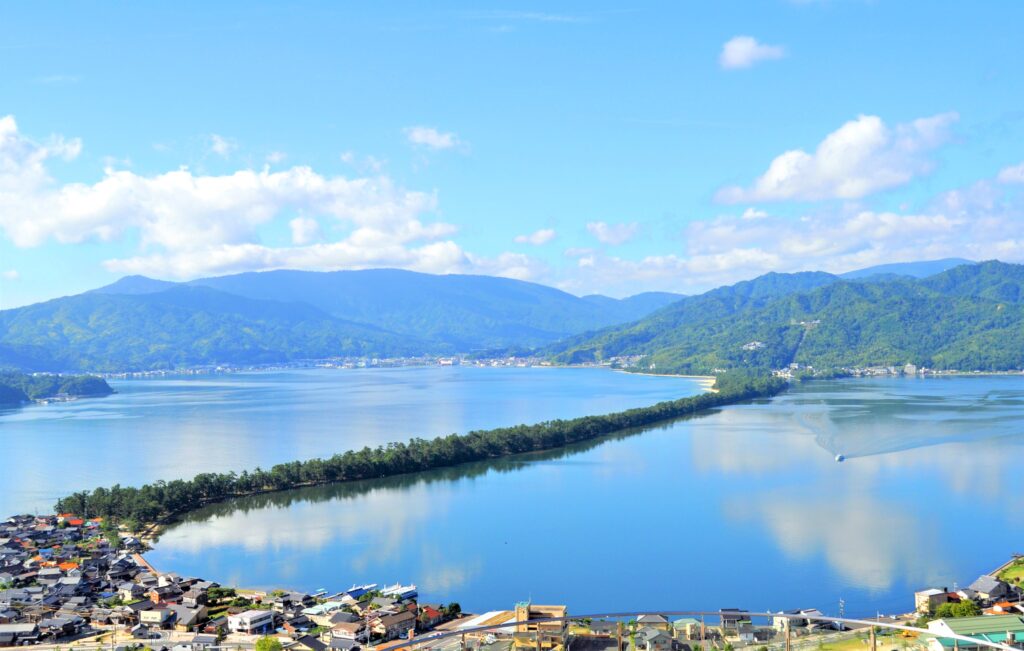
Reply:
x=122 y=503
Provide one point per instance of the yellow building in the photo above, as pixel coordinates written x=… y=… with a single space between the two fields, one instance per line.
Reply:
x=540 y=635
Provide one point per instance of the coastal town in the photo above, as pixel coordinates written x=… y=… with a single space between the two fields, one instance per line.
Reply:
x=69 y=582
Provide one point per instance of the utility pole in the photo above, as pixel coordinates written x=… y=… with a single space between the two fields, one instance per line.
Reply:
x=619 y=627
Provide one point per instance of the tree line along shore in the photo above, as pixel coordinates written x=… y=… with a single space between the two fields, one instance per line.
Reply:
x=140 y=507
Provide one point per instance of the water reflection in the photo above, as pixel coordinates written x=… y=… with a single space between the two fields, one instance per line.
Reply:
x=741 y=506
x=164 y=428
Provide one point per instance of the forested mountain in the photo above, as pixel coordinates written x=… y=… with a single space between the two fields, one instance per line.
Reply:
x=648 y=334
x=969 y=317
x=142 y=323
x=466 y=312
x=17 y=388
x=181 y=326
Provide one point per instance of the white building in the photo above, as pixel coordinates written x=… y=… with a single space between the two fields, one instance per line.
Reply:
x=252 y=622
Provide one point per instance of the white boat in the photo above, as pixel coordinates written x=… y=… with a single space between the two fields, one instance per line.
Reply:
x=399 y=590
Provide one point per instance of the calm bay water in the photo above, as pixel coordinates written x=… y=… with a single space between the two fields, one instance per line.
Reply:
x=176 y=427
x=742 y=507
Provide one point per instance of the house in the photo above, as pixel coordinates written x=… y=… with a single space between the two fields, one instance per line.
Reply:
x=129 y=591
x=430 y=616
x=989 y=588
x=343 y=644
x=18 y=634
x=61 y=626
x=187 y=619
x=216 y=626
x=604 y=628
x=731 y=619
x=659 y=622
x=687 y=628
x=167 y=594
x=297 y=623
x=194 y=598
x=157 y=618
x=308 y=643
x=252 y=622
x=807 y=617
x=1001 y=629
x=652 y=639
x=349 y=630
x=321 y=613
x=540 y=635
x=926 y=601
x=395 y=625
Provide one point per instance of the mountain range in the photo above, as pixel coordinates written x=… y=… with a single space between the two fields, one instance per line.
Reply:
x=967 y=317
x=140 y=323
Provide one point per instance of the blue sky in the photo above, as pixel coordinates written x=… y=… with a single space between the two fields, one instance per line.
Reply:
x=596 y=147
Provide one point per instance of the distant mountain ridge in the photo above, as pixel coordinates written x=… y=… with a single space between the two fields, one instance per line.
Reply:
x=921 y=269
x=278 y=316
x=968 y=317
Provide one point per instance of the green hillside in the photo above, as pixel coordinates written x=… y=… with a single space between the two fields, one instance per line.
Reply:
x=965 y=318
x=181 y=326
x=17 y=388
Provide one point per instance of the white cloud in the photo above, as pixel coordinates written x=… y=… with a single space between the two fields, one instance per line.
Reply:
x=536 y=238
x=275 y=157
x=221 y=146
x=365 y=164
x=305 y=230
x=861 y=157
x=980 y=222
x=190 y=225
x=1012 y=174
x=10 y=274
x=612 y=233
x=431 y=138
x=753 y=213
x=745 y=51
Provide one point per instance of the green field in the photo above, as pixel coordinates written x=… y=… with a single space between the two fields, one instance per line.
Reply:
x=1013 y=573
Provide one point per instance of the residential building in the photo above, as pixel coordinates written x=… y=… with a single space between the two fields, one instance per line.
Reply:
x=540 y=635
x=926 y=601
x=652 y=639
x=251 y=622
x=659 y=622
x=989 y=588
x=157 y=617
x=395 y=625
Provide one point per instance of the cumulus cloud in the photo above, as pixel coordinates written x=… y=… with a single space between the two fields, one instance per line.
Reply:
x=859 y=158
x=536 y=238
x=431 y=138
x=612 y=233
x=275 y=157
x=10 y=274
x=221 y=146
x=304 y=230
x=979 y=222
x=190 y=225
x=745 y=51
x=1012 y=174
